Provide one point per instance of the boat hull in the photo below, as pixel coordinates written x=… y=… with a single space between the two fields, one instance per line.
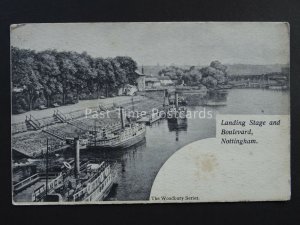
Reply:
x=100 y=194
x=176 y=120
x=122 y=144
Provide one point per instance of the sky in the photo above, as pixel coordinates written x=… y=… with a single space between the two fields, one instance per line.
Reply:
x=186 y=43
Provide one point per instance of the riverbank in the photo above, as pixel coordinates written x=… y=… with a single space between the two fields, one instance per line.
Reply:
x=83 y=104
x=32 y=143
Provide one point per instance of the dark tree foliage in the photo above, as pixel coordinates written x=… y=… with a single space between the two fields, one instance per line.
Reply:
x=214 y=74
x=210 y=76
x=174 y=72
x=48 y=77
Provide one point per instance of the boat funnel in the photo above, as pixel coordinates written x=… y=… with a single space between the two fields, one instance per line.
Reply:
x=122 y=117
x=77 y=157
x=176 y=100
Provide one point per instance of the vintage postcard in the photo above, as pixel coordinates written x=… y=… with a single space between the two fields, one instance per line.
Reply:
x=177 y=112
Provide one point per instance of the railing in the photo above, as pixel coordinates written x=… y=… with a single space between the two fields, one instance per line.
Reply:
x=53 y=133
x=19 y=186
x=99 y=175
x=46 y=121
x=50 y=175
x=101 y=108
x=79 y=195
x=33 y=122
x=112 y=127
x=40 y=192
x=58 y=114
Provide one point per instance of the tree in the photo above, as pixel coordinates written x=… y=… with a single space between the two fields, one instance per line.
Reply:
x=209 y=82
x=85 y=72
x=129 y=66
x=219 y=66
x=100 y=74
x=67 y=73
x=48 y=70
x=25 y=74
x=217 y=71
x=46 y=74
x=119 y=72
x=109 y=79
x=175 y=73
x=195 y=76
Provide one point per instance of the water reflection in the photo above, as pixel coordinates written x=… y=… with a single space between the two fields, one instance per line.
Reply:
x=216 y=98
x=179 y=125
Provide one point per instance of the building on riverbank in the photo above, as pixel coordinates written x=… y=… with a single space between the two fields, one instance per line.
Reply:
x=140 y=80
x=152 y=81
x=261 y=81
x=165 y=80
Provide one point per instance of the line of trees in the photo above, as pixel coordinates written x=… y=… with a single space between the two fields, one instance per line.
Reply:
x=48 y=77
x=210 y=76
x=258 y=77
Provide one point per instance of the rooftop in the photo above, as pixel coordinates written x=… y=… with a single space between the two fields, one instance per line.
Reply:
x=139 y=73
x=152 y=78
x=164 y=78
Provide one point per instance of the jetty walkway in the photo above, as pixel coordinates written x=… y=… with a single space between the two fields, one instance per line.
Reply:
x=31 y=130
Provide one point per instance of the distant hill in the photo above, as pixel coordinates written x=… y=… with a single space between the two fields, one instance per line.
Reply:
x=232 y=69
x=246 y=69
x=154 y=69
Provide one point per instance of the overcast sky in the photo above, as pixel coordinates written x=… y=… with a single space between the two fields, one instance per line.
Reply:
x=163 y=43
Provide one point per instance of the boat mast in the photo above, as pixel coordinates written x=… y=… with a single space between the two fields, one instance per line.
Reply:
x=132 y=103
x=95 y=132
x=122 y=118
x=47 y=169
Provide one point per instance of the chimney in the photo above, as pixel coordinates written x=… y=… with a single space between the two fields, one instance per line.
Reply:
x=176 y=100
x=77 y=157
x=122 y=117
x=142 y=69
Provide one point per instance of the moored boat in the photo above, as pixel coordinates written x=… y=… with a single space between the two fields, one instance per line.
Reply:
x=176 y=112
x=83 y=142
x=83 y=181
x=93 y=184
x=129 y=134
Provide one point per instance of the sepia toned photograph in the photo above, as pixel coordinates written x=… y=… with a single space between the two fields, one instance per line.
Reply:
x=98 y=109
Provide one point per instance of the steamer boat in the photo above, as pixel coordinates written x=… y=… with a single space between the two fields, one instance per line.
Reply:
x=176 y=113
x=83 y=181
x=129 y=134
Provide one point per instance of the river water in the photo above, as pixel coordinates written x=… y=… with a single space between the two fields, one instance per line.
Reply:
x=138 y=165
